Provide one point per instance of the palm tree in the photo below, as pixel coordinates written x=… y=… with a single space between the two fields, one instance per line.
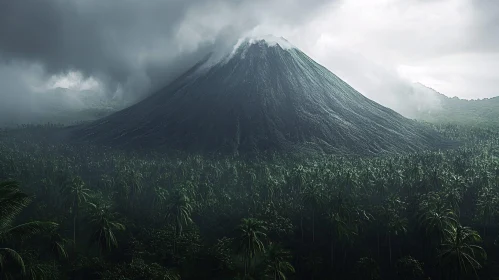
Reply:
x=103 y=228
x=277 y=264
x=487 y=206
x=41 y=271
x=340 y=230
x=12 y=202
x=454 y=192
x=409 y=268
x=313 y=200
x=436 y=218
x=75 y=195
x=179 y=213
x=251 y=240
x=131 y=184
x=396 y=224
x=460 y=252
x=58 y=245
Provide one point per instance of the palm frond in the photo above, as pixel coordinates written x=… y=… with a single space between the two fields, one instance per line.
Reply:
x=27 y=230
x=8 y=255
x=7 y=187
x=171 y=275
x=10 y=206
x=41 y=271
x=60 y=250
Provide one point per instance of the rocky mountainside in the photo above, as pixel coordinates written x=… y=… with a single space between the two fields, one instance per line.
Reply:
x=264 y=95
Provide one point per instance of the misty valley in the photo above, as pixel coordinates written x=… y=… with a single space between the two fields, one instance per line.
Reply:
x=256 y=164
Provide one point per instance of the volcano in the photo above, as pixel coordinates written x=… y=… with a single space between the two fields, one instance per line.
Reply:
x=262 y=95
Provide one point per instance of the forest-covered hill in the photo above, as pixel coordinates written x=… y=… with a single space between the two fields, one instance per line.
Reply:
x=480 y=112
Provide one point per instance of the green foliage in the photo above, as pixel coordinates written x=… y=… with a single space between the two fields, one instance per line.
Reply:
x=104 y=227
x=459 y=251
x=151 y=216
x=277 y=264
x=12 y=202
x=138 y=269
x=251 y=241
x=179 y=211
x=435 y=217
x=478 y=113
x=409 y=268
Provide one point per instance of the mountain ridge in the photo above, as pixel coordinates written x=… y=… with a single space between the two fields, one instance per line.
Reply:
x=484 y=111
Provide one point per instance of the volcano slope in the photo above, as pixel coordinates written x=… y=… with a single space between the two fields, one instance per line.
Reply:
x=265 y=95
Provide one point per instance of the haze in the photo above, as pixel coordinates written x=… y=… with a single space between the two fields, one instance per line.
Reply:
x=75 y=55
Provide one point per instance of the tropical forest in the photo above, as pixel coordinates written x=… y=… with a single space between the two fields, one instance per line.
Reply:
x=75 y=212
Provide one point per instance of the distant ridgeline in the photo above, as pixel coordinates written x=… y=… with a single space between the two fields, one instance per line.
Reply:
x=461 y=111
x=263 y=95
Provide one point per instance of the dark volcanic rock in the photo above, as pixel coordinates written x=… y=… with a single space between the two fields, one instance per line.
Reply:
x=263 y=96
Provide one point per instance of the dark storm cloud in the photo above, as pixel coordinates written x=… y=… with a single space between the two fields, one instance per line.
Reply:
x=123 y=41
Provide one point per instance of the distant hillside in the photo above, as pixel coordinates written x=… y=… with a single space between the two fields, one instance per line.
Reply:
x=461 y=111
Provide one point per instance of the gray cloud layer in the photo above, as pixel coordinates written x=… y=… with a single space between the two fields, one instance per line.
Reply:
x=129 y=46
x=124 y=39
x=132 y=47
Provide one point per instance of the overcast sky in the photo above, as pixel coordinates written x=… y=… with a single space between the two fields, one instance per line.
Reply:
x=129 y=47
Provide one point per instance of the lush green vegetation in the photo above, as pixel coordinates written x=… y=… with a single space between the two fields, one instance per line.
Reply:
x=482 y=112
x=93 y=213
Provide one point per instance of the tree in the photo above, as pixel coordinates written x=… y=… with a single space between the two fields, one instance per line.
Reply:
x=12 y=202
x=179 y=214
x=453 y=192
x=435 y=218
x=459 y=252
x=58 y=245
x=397 y=224
x=312 y=199
x=103 y=228
x=277 y=263
x=487 y=206
x=75 y=194
x=138 y=269
x=409 y=268
x=250 y=242
x=340 y=230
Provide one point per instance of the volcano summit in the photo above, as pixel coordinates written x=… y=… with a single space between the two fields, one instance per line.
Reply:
x=263 y=95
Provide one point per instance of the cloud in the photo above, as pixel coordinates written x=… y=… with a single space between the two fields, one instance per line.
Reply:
x=120 y=39
x=446 y=44
x=128 y=47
